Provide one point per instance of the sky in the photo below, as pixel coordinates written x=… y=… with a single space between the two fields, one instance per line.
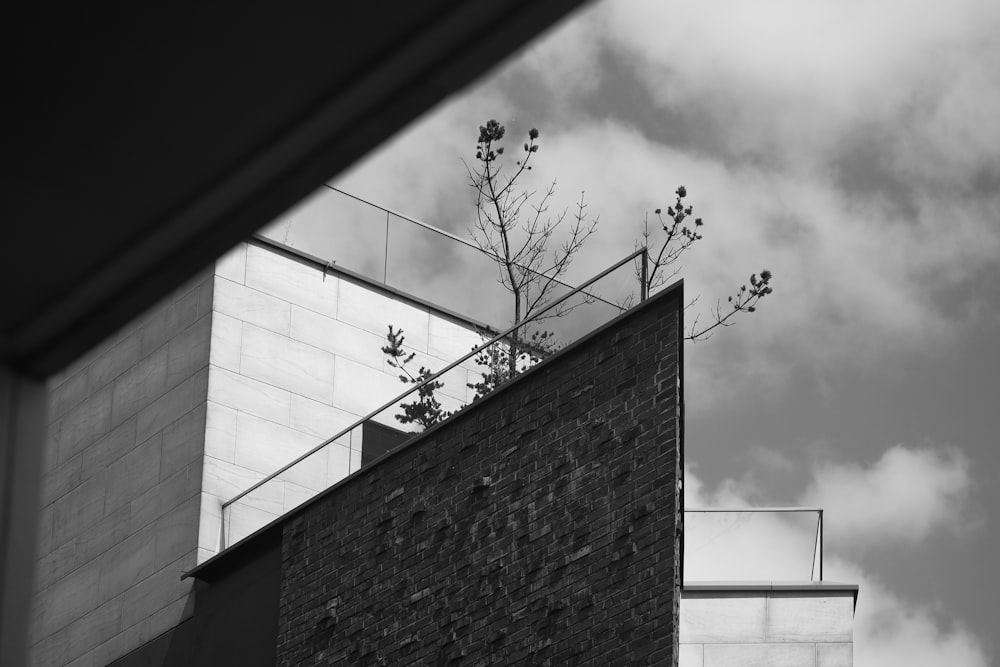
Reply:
x=853 y=149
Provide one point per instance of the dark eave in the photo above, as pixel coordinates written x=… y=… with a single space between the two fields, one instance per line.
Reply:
x=143 y=140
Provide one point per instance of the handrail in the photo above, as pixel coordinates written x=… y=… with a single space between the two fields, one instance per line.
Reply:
x=458 y=239
x=419 y=223
x=753 y=509
x=434 y=377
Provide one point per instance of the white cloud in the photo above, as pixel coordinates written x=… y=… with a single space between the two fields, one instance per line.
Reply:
x=868 y=126
x=809 y=88
x=567 y=56
x=902 y=498
x=893 y=630
x=851 y=283
x=743 y=546
x=419 y=172
x=806 y=71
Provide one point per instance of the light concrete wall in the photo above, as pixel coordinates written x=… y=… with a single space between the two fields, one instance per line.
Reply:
x=296 y=357
x=120 y=489
x=225 y=381
x=809 y=627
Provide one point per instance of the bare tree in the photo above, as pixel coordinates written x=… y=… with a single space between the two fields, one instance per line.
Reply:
x=677 y=237
x=514 y=227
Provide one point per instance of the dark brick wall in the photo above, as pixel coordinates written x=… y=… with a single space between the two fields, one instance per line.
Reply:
x=539 y=526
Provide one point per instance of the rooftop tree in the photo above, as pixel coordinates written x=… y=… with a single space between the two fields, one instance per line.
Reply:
x=515 y=227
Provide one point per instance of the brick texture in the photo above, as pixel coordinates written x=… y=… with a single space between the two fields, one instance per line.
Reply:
x=539 y=526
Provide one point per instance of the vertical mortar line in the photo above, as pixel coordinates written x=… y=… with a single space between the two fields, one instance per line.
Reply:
x=239 y=360
x=767 y=610
x=812 y=566
x=821 y=545
x=385 y=259
x=336 y=300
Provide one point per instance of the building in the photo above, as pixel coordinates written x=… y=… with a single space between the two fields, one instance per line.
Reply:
x=126 y=185
x=542 y=523
x=748 y=602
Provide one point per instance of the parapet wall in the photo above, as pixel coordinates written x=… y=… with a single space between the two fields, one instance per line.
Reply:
x=539 y=525
x=793 y=625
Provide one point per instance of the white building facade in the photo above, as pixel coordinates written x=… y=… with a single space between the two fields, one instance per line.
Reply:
x=236 y=374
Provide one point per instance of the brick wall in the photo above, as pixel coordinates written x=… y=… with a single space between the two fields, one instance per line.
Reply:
x=538 y=526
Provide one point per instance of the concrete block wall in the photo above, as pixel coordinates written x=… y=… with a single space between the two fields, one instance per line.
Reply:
x=809 y=627
x=539 y=526
x=226 y=380
x=120 y=489
x=296 y=357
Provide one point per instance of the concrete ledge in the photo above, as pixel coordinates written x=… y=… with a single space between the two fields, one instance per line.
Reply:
x=719 y=586
x=820 y=587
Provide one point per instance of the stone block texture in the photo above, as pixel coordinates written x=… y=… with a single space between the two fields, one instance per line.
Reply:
x=802 y=628
x=229 y=378
x=295 y=358
x=539 y=526
x=121 y=482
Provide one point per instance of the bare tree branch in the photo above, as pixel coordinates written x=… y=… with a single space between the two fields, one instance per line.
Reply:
x=744 y=301
x=515 y=227
x=677 y=238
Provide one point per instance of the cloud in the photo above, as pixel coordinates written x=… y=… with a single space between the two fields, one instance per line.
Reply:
x=419 y=171
x=808 y=71
x=853 y=138
x=848 y=147
x=744 y=546
x=889 y=628
x=893 y=630
x=852 y=284
x=905 y=496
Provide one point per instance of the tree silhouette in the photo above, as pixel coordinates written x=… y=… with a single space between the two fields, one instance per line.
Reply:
x=515 y=228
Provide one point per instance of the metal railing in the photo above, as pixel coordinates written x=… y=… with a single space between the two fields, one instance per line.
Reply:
x=401 y=252
x=753 y=543
x=269 y=498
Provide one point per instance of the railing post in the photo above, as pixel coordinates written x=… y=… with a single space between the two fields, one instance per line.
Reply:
x=821 y=545
x=643 y=290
